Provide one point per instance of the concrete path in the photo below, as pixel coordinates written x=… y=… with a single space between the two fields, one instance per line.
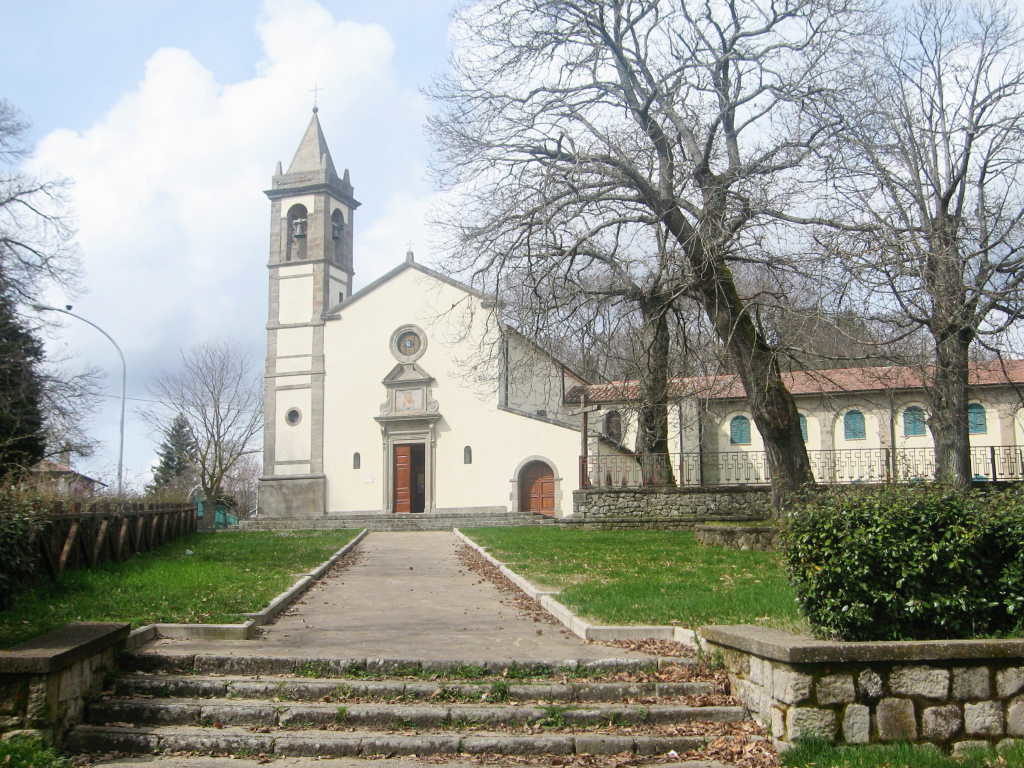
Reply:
x=407 y=596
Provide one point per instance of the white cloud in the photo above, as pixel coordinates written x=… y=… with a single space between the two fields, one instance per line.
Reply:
x=172 y=222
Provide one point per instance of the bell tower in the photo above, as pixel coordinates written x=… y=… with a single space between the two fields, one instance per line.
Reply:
x=311 y=219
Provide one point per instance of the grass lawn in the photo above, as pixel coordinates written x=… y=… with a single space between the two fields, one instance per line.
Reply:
x=649 y=577
x=227 y=575
x=816 y=754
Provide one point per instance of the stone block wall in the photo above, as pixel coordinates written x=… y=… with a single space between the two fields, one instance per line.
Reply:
x=763 y=538
x=957 y=695
x=46 y=682
x=667 y=507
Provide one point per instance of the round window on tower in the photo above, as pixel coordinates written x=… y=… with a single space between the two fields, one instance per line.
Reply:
x=292 y=417
x=408 y=343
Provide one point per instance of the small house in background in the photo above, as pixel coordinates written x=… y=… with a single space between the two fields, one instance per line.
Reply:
x=57 y=476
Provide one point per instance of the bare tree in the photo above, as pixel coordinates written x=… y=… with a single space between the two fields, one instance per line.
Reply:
x=216 y=389
x=930 y=164
x=242 y=482
x=37 y=251
x=579 y=132
x=36 y=235
x=621 y=317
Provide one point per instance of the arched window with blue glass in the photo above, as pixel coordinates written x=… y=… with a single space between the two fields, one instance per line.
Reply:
x=739 y=431
x=913 y=422
x=803 y=426
x=853 y=426
x=977 y=422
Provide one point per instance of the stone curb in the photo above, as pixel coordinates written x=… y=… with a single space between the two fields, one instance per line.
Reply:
x=788 y=648
x=245 y=631
x=313 y=743
x=579 y=627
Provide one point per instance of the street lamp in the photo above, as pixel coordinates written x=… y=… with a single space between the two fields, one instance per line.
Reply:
x=124 y=379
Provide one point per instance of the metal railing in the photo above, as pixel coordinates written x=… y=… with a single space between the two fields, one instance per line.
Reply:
x=848 y=465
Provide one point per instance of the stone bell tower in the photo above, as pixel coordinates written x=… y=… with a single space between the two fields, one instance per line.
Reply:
x=311 y=218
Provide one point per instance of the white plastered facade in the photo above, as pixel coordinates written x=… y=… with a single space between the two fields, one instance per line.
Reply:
x=462 y=360
x=478 y=403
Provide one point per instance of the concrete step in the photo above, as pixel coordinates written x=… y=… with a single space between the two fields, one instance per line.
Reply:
x=187 y=761
x=341 y=690
x=264 y=713
x=161 y=660
x=331 y=743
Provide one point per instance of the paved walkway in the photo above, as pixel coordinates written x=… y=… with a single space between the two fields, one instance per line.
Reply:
x=407 y=596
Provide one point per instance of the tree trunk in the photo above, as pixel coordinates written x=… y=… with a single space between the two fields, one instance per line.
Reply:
x=948 y=417
x=652 y=423
x=952 y=334
x=771 y=404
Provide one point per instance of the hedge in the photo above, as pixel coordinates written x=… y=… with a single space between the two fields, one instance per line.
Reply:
x=21 y=525
x=908 y=562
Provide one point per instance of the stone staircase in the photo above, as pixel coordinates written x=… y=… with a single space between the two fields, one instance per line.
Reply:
x=373 y=708
x=443 y=520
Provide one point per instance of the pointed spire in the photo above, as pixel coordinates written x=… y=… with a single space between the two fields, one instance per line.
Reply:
x=278 y=171
x=312 y=154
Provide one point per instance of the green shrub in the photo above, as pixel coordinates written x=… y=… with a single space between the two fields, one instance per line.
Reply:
x=20 y=528
x=30 y=752
x=898 y=563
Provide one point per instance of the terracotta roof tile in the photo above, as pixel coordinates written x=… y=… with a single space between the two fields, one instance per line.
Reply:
x=833 y=380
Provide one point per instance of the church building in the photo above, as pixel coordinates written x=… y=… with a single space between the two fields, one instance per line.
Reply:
x=409 y=397
x=405 y=397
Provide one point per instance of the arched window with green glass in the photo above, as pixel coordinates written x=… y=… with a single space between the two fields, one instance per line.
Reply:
x=853 y=426
x=739 y=430
x=913 y=422
x=977 y=422
x=803 y=426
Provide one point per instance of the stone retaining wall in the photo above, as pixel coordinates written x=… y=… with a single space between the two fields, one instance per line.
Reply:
x=662 y=507
x=956 y=694
x=763 y=538
x=45 y=682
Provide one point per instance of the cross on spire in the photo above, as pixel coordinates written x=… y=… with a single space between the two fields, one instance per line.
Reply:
x=315 y=90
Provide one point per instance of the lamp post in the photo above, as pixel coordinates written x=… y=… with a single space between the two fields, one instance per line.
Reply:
x=124 y=380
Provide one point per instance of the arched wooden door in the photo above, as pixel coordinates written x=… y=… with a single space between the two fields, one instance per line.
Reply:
x=537 y=488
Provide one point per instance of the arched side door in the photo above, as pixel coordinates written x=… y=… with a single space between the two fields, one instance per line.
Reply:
x=537 y=488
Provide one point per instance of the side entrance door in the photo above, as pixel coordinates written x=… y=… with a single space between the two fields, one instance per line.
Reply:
x=537 y=488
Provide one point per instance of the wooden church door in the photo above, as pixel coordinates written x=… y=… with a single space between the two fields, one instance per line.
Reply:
x=537 y=488
x=410 y=480
x=403 y=478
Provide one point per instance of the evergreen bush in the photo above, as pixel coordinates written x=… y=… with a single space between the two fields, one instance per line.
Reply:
x=21 y=526
x=908 y=562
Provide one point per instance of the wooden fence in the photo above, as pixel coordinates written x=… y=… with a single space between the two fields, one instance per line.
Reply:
x=80 y=535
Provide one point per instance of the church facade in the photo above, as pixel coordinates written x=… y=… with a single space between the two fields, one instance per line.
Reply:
x=406 y=397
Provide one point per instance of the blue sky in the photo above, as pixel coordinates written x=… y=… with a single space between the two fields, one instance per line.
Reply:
x=67 y=62
x=169 y=118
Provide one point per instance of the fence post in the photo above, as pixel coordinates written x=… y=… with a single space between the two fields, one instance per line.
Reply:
x=888 y=465
x=992 y=461
x=583 y=472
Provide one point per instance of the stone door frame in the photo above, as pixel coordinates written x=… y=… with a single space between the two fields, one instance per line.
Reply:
x=413 y=432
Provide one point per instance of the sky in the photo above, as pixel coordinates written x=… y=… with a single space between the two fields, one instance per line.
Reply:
x=169 y=118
